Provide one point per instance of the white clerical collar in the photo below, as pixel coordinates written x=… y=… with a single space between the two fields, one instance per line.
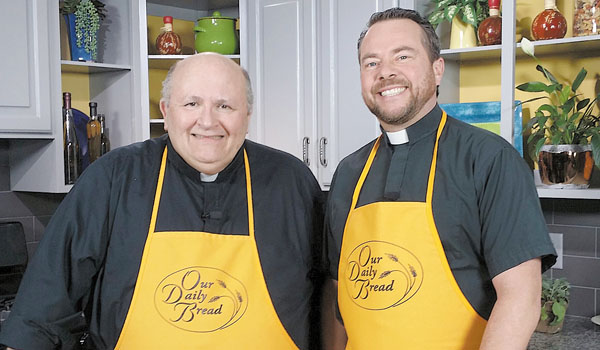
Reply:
x=398 y=137
x=208 y=178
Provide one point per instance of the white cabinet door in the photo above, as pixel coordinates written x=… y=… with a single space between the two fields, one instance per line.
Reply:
x=281 y=56
x=24 y=68
x=344 y=120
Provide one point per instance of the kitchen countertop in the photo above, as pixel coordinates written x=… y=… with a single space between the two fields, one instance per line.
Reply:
x=577 y=333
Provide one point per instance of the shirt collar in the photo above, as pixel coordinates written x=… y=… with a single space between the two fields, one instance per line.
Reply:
x=186 y=169
x=422 y=128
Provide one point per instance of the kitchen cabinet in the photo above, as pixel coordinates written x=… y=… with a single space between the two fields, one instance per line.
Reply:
x=25 y=69
x=303 y=62
x=36 y=158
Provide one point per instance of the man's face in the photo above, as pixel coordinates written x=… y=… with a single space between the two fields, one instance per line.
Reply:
x=207 y=115
x=398 y=80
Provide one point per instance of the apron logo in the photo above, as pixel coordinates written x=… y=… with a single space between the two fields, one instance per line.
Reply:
x=200 y=299
x=380 y=275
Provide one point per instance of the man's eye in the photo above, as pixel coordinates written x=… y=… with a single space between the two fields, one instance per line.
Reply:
x=370 y=64
x=191 y=104
x=402 y=57
x=224 y=106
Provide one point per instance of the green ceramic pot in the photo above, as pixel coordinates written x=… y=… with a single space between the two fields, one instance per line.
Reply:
x=216 y=34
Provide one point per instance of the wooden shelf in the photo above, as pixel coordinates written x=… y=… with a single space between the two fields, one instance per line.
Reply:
x=491 y=52
x=587 y=46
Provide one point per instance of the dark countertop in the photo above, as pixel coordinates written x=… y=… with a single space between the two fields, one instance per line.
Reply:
x=578 y=333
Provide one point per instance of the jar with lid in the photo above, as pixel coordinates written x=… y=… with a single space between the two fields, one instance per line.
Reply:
x=586 y=17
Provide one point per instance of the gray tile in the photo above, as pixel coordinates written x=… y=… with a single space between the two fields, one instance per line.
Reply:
x=582 y=302
x=39 y=226
x=27 y=223
x=580 y=212
x=12 y=207
x=4 y=153
x=577 y=240
x=4 y=178
x=580 y=271
x=597 y=301
x=547 y=208
x=40 y=203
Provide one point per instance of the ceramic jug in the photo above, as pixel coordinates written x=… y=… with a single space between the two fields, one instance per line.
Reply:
x=216 y=34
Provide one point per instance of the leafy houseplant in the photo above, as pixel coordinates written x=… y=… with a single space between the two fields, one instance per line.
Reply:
x=567 y=119
x=469 y=11
x=88 y=14
x=555 y=299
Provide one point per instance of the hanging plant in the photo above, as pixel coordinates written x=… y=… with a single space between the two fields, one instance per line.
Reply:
x=88 y=14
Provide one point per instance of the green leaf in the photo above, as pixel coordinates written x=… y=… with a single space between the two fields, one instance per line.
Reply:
x=579 y=79
x=436 y=18
x=443 y=4
x=544 y=314
x=582 y=104
x=547 y=74
x=550 y=109
x=469 y=15
x=564 y=94
x=533 y=86
x=450 y=12
x=539 y=145
x=558 y=309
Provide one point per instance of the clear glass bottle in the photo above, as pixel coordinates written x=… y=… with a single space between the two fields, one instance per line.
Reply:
x=168 y=42
x=586 y=17
x=93 y=133
x=72 y=157
x=104 y=141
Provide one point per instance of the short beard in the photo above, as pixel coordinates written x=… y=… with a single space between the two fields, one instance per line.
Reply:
x=401 y=117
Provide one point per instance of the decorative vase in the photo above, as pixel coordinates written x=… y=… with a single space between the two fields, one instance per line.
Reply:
x=566 y=166
x=490 y=30
x=462 y=34
x=586 y=17
x=549 y=24
x=78 y=52
x=168 y=42
x=544 y=325
x=216 y=34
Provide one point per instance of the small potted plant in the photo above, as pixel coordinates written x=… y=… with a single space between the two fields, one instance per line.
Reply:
x=83 y=22
x=555 y=299
x=565 y=132
x=465 y=16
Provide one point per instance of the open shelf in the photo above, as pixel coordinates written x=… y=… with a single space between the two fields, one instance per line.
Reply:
x=91 y=67
x=588 y=193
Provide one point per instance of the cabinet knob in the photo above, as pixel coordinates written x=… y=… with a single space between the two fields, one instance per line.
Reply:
x=322 y=151
x=305 y=143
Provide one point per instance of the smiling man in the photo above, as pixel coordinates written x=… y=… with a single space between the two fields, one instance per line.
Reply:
x=435 y=234
x=198 y=239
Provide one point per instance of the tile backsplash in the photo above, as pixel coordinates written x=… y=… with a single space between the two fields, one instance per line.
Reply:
x=577 y=219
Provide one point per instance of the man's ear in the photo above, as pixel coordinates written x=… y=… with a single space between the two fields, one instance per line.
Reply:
x=438 y=70
x=163 y=110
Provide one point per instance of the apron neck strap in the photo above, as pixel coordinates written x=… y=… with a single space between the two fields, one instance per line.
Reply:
x=159 y=187
x=367 y=167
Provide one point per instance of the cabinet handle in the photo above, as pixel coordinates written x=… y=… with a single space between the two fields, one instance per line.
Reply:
x=305 y=143
x=322 y=151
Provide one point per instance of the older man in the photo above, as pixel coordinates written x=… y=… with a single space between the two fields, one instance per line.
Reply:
x=195 y=240
x=436 y=237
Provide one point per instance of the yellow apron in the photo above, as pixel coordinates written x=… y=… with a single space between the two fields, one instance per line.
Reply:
x=199 y=290
x=396 y=289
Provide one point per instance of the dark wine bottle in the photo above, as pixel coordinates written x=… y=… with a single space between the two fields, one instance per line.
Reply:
x=104 y=141
x=70 y=144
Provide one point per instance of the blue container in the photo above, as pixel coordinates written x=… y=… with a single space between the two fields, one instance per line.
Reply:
x=78 y=53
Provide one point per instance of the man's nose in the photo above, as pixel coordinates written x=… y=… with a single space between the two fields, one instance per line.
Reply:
x=386 y=71
x=206 y=118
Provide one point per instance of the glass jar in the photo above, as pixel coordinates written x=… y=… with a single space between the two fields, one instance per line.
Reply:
x=586 y=17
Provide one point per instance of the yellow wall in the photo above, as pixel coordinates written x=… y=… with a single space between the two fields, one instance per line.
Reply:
x=79 y=87
x=563 y=65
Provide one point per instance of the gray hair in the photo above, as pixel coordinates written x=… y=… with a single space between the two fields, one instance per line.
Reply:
x=430 y=39
x=167 y=85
